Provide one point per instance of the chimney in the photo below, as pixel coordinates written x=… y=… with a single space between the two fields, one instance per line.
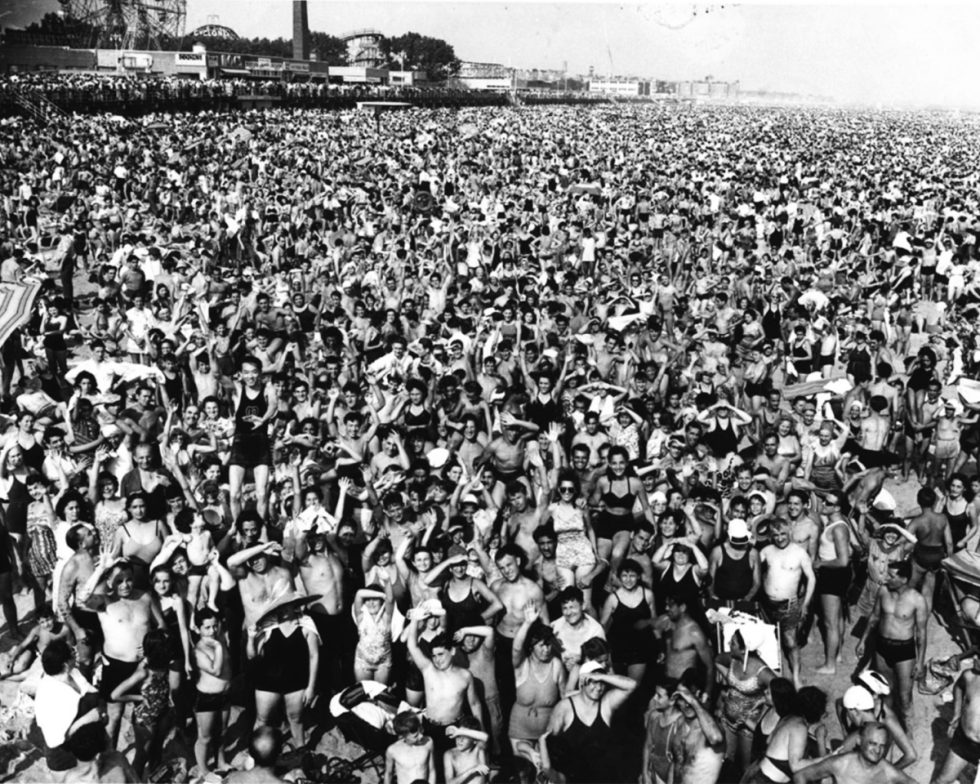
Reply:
x=301 y=31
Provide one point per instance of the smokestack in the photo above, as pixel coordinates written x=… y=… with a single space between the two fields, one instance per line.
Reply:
x=301 y=31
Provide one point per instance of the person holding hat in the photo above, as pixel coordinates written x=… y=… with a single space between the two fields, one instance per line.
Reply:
x=581 y=743
x=864 y=765
x=864 y=703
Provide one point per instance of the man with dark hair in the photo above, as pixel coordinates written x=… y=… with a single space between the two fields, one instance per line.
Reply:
x=899 y=616
x=516 y=591
x=63 y=704
x=574 y=627
x=934 y=541
x=449 y=689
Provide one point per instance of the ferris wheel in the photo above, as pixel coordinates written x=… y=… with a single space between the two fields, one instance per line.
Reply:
x=130 y=24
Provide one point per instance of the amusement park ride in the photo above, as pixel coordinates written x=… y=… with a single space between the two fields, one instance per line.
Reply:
x=129 y=24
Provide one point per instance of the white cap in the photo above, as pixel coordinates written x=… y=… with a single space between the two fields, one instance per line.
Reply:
x=875 y=682
x=438 y=457
x=738 y=529
x=658 y=497
x=469 y=498
x=589 y=667
x=858 y=698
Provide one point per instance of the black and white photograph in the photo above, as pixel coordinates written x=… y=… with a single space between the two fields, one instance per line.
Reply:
x=489 y=392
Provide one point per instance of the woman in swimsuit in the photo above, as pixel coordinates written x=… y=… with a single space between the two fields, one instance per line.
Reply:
x=833 y=569
x=616 y=494
x=14 y=475
x=960 y=514
x=110 y=509
x=42 y=551
x=139 y=540
x=575 y=553
x=627 y=617
x=747 y=677
x=540 y=677
x=786 y=751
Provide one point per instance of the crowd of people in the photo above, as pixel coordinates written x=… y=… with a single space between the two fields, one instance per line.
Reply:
x=555 y=435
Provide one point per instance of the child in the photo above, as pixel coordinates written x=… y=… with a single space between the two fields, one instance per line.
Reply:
x=478 y=643
x=24 y=663
x=372 y=613
x=410 y=758
x=211 y=704
x=199 y=546
x=467 y=762
x=152 y=678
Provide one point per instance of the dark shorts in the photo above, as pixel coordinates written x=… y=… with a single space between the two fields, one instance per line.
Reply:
x=964 y=748
x=606 y=525
x=89 y=621
x=786 y=612
x=206 y=702
x=826 y=360
x=833 y=580
x=114 y=672
x=250 y=451
x=505 y=477
x=929 y=556
x=895 y=652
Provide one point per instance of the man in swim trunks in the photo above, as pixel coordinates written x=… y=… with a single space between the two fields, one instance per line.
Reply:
x=786 y=565
x=933 y=542
x=899 y=616
x=126 y=615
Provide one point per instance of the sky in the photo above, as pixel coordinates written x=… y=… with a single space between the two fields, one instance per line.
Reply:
x=872 y=52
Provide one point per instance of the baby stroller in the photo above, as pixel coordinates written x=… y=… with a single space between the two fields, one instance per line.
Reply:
x=363 y=713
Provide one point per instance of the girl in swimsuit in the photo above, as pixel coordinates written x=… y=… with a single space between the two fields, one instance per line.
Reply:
x=110 y=509
x=576 y=550
x=372 y=610
x=616 y=494
x=174 y=610
x=786 y=751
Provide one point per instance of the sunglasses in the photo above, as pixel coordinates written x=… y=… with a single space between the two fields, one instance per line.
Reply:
x=566 y=489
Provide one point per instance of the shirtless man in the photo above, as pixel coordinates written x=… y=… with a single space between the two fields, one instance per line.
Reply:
x=875 y=430
x=265 y=582
x=321 y=572
x=803 y=529
x=786 y=565
x=686 y=645
x=865 y=765
x=448 y=689
x=515 y=591
x=934 y=542
x=505 y=454
x=126 y=615
x=84 y=623
x=545 y=567
x=964 y=726
x=697 y=744
x=900 y=616
x=524 y=519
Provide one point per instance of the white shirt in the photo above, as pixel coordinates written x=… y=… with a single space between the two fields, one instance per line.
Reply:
x=572 y=637
x=56 y=706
